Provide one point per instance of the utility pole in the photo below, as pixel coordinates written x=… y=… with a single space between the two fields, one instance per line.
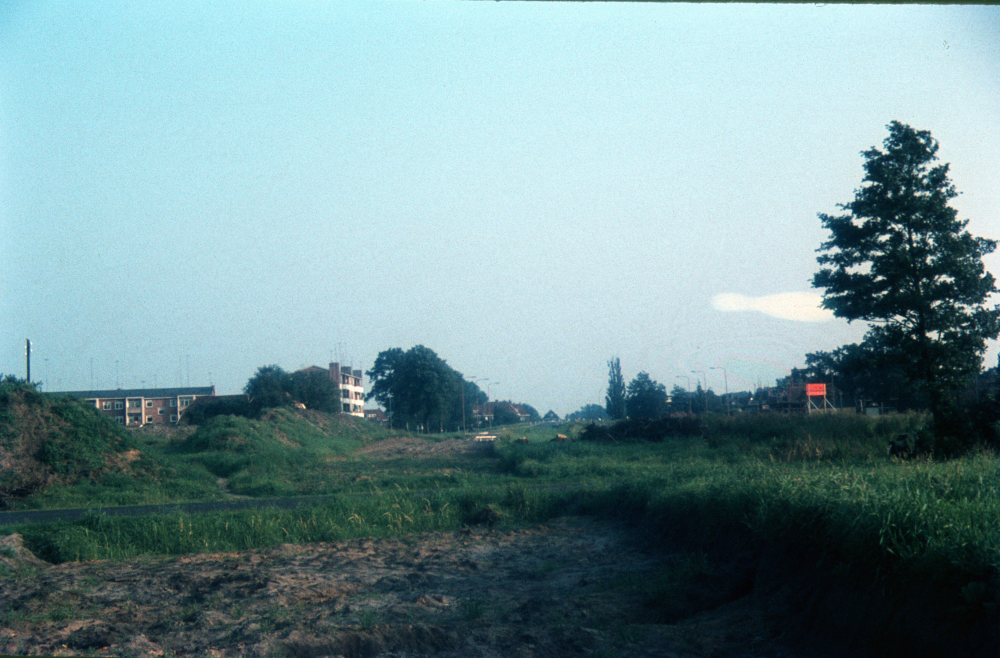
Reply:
x=27 y=359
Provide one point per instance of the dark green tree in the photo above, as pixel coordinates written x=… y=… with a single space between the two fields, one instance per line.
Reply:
x=418 y=388
x=859 y=374
x=646 y=398
x=533 y=415
x=901 y=260
x=589 y=412
x=316 y=390
x=504 y=413
x=383 y=379
x=615 y=398
x=681 y=400
x=269 y=387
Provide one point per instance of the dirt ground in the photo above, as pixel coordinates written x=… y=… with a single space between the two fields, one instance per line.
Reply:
x=573 y=586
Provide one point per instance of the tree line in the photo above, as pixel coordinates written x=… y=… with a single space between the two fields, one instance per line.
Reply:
x=644 y=398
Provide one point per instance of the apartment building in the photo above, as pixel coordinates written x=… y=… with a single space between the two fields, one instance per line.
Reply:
x=351 y=385
x=144 y=406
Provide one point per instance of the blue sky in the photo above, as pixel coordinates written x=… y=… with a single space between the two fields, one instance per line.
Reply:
x=190 y=190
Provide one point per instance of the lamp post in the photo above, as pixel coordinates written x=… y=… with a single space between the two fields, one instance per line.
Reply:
x=705 y=377
x=688 y=390
x=725 y=378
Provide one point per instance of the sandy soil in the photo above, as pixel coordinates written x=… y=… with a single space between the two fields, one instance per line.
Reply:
x=574 y=586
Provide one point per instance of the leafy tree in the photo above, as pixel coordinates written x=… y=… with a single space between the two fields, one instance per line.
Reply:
x=316 y=390
x=418 y=388
x=681 y=400
x=269 y=387
x=589 y=412
x=383 y=379
x=901 y=260
x=615 y=397
x=504 y=414
x=533 y=415
x=646 y=398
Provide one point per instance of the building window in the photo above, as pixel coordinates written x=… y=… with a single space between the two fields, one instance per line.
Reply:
x=161 y=411
x=185 y=402
x=135 y=418
x=149 y=403
x=120 y=419
x=173 y=403
x=149 y=419
x=173 y=418
x=119 y=405
x=134 y=404
x=107 y=405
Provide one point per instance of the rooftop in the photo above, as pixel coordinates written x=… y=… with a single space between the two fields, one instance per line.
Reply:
x=140 y=392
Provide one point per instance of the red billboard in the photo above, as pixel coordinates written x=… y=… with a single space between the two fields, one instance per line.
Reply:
x=816 y=390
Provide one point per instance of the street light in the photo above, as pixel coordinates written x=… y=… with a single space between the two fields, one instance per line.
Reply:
x=725 y=378
x=706 y=386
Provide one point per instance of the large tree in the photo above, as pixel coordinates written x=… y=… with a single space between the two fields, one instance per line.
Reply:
x=269 y=387
x=615 y=397
x=316 y=390
x=646 y=398
x=901 y=260
x=589 y=412
x=417 y=387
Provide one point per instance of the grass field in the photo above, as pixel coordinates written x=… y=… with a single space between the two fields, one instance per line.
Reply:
x=821 y=486
x=825 y=483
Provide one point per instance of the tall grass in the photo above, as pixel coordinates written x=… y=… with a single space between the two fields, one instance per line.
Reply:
x=97 y=536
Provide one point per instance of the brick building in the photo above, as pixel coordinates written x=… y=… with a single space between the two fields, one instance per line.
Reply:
x=144 y=406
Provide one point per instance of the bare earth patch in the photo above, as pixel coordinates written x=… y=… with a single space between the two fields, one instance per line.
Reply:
x=574 y=586
x=417 y=446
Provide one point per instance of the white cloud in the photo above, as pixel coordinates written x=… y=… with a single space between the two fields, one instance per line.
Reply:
x=798 y=306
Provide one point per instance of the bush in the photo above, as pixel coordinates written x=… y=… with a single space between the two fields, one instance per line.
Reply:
x=639 y=430
x=205 y=409
x=964 y=427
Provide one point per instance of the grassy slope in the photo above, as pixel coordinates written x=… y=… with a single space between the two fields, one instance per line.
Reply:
x=51 y=443
x=284 y=453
